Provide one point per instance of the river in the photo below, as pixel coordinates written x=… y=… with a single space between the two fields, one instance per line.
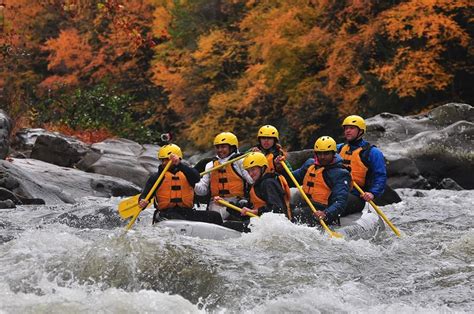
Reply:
x=77 y=258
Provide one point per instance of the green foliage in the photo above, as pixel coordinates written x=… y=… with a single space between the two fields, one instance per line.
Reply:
x=101 y=106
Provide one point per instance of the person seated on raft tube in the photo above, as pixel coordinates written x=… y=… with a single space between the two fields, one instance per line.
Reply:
x=269 y=192
x=231 y=182
x=174 y=196
x=268 y=138
x=366 y=162
x=325 y=181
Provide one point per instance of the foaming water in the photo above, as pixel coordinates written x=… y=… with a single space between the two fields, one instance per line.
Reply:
x=77 y=258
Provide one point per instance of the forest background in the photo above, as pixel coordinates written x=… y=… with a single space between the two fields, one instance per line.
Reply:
x=139 y=68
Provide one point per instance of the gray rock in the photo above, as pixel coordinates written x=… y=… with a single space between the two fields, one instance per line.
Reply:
x=35 y=179
x=9 y=195
x=7 y=204
x=440 y=144
x=449 y=184
x=58 y=149
x=297 y=158
x=24 y=140
x=123 y=159
x=6 y=125
x=403 y=173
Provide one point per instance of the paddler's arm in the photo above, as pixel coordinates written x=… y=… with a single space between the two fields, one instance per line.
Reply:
x=148 y=185
x=340 y=191
x=191 y=174
x=202 y=187
x=273 y=195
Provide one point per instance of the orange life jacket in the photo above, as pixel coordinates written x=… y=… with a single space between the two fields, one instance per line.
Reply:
x=315 y=186
x=271 y=165
x=226 y=182
x=258 y=202
x=270 y=158
x=174 y=191
x=353 y=159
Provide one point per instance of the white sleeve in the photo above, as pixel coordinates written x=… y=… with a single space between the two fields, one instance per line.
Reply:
x=240 y=169
x=202 y=187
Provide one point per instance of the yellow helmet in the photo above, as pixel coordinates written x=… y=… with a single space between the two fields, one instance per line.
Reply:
x=325 y=144
x=255 y=159
x=226 y=138
x=168 y=149
x=268 y=131
x=355 y=121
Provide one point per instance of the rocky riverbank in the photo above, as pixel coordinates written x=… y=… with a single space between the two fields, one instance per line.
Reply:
x=432 y=150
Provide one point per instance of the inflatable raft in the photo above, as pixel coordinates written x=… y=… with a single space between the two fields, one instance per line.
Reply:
x=363 y=225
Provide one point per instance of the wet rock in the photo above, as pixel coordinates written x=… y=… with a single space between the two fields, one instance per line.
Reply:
x=403 y=173
x=121 y=158
x=449 y=184
x=9 y=195
x=419 y=194
x=24 y=140
x=440 y=144
x=104 y=218
x=7 y=204
x=297 y=158
x=58 y=149
x=37 y=181
x=5 y=129
x=389 y=196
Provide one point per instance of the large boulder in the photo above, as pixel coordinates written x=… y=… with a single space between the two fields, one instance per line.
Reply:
x=114 y=157
x=35 y=179
x=24 y=140
x=58 y=149
x=121 y=158
x=423 y=150
x=5 y=129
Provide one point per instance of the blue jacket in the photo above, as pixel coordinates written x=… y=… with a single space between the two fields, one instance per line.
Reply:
x=339 y=178
x=377 y=176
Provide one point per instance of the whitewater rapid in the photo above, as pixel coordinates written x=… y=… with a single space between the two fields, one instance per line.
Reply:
x=77 y=258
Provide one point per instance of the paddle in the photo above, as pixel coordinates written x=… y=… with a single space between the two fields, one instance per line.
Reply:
x=379 y=211
x=303 y=194
x=224 y=164
x=227 y=204
x=129 y=207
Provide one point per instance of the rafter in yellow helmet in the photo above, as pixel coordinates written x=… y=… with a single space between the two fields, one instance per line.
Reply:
x=325 y=144
x=168 y=149
x=255 y=159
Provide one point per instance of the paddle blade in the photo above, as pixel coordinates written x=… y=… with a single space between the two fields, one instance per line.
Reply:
x=129 y=206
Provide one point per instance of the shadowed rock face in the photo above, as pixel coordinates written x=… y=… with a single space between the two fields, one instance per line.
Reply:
x=59 y=150
x=5 y=129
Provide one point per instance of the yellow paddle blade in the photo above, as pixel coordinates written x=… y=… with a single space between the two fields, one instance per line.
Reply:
x=129 y=207
x=125 y=207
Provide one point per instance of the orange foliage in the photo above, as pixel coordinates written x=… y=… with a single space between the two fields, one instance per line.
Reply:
x=233 y=65
x=423 y=30
x=86 y=136
x=70 y=54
